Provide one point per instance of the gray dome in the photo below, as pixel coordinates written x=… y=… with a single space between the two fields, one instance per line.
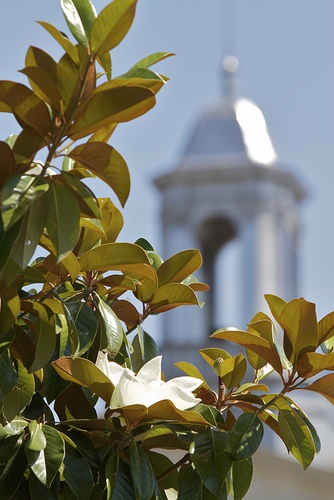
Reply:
x=233 y=131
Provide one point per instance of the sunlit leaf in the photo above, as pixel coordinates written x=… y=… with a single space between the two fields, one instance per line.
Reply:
x=9 y=307
x=85 y=197
x=120 y=104
x=245 y=437
x=111 y=25
x=192 y=371
x=65 y=43
x=7 y=163
x=84 y=372
x=172 y=295
x=232 y=370
x=86 y=324
x=62 y=219
x=111 y=326
x=297 y=436
x=179 y=267
x=41 y=59
x=148 y=61
x=323 y=386
x=326 y=328
x=104 y=161
x=18 y=194
x=45 y=344
x=43 y=86
x=312 y=363
x=79 y=15
x=37 y=439
x=253 y=342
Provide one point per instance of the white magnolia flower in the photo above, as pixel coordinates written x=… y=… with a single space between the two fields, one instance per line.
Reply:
x=146 y=388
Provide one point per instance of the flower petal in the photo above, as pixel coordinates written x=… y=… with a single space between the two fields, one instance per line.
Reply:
x=112 y=370
x=150 y=372
x=190 y=383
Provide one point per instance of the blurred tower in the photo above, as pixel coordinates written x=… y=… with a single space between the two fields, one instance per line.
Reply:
x=231 y=197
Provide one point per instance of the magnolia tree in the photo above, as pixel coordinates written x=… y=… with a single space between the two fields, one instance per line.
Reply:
x=65 y=324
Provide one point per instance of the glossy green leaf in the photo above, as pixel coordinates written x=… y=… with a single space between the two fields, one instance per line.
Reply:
x=326 y=328
x=323 y=386
x=211 y=462
x=26 y=385
x=232 y=370
x=179 y=266
x=210 y=354
x=86 y=324
x=312 y=363
x=72 y=403
x=43 y=86
x=63 y=41
x=7 y=242
x=7 y=163
x=18 y=194
x=111 y=105
x=192 y=371
x=242 y=472
x=37 y=439
x=299 y=322
x=41 y=59
x=79 y=15
x=148 y=61
x=8 y=375
x=45 y=344
x=62 y=219
x=46 y=463
x=9 y=307
x=85 y=197
x=297 y=436
x=160 y=464
x=78 y=475
x=12 y=474
x=111 y=326
x=172 y=295
x=111 y=25
x=245 y=437
x=253 y=342
x=30 y=232
x=276 y=305
x=118 y=257
x=104 y=161
x=68 y=82
x=141 y=472
x=123 y=487
x=84 y=372
x=38 y=491
x=144 y=349
x=29 y=110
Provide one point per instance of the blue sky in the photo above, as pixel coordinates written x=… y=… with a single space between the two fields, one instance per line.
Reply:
x=286 y=53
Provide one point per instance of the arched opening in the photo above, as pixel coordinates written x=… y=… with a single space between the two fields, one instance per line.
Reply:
x=217 y=236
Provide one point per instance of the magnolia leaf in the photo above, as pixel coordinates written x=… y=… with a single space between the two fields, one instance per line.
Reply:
x=111 y=219
x=172 y=295
x=68 y=81
x=78 y=474
x=105 y=61
x=211 y=354
x=111 y=25
x=44 y=86
x=54 y=453
x=85 y=197
x=125 y=310
x=297 y=436
x=86 y=324
x=211 y=462
x=85 y=373
x=144 y=349
x=29 y=110
x=12 y=473
x=299 y=322
x=30 y=232
x=79 y=15
x=245 y=437
x=124 y=257
x=111 y=326
x=9 y=307
x=104 y=161
x=232 y=370
x=253 y=342
x=123 y=487
x=112 y=105
x=192 y=371
x=276 y=305
x=65 y=43
x=37 y=57
x=18 y=194
x=37 y=439
x=324 y=386
x=179 y=267
x=311 y=363
x=326 y=328
x=26 y=385
x=141 y=472
x=45 y=344
x=242 y=473
x=7 y=163
x=244 y=388
x=62 y=220
x=8 y=375
x=148 y=61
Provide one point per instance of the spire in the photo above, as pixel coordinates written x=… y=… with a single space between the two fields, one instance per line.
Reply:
x=230 y=67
